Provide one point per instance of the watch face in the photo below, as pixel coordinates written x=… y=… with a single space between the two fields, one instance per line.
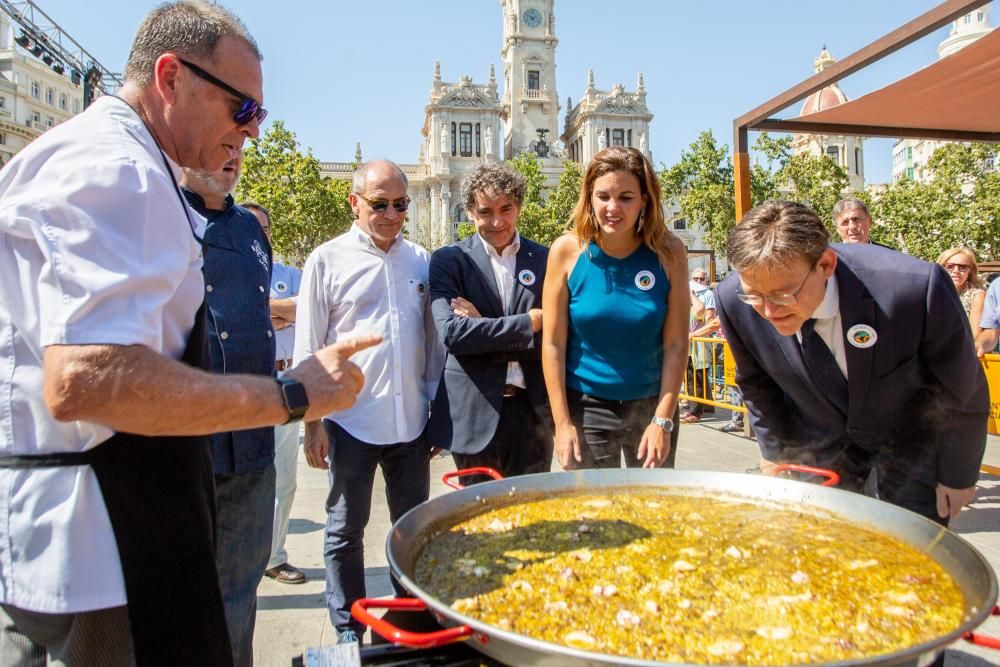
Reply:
x=532 y=18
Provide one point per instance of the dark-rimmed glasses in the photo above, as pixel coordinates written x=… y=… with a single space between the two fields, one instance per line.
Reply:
x=249 y=107
x=788 y=299
x=380 y=205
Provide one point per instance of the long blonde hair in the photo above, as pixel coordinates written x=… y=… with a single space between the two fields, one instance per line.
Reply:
x=653 y=233
x=973 y=280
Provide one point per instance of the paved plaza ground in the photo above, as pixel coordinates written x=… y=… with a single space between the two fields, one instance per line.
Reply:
x=293 y=618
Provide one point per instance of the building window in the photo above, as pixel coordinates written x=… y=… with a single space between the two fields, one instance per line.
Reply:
x=76 y=106
x=36 y=90
x=630 y=138
x=833 y=153
x=459 y=214
x=618 y=137
x=607 y=136
x=465 y=139
x=909 y=173
x=454 y=140
x=49 y=121
x=36 y=117
x=909 y=152
x=980 y=17
x=479 y=141
x=533 y=80
x=3 y=102
x=680 y=224
x=62 y=101
x=968 y=18
x=857 y=161
x=50 y=96
x=3 y=139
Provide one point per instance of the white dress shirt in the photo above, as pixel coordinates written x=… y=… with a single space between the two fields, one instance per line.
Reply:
x=504 y=267
x=96 y=247
x=829 y=325
x=350 y=287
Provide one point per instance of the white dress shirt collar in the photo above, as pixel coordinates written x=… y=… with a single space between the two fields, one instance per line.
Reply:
x=512 y=249
x=830 y=305
x=366 y=240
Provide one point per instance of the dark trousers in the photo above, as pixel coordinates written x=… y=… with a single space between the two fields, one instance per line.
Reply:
x=406 y=471
x=245 y=505
x=610 y=429
x=697 y=383
x=896 y=484
x=521 y=445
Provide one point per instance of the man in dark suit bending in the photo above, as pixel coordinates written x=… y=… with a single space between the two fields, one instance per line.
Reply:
x=855 y=358
x=491 y=407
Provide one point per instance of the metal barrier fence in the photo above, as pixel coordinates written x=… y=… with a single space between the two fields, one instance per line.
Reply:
x=712 y=377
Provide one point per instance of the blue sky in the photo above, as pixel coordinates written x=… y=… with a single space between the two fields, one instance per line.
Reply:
x=339 y=71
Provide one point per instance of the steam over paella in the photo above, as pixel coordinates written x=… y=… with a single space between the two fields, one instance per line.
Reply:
x=677 y=578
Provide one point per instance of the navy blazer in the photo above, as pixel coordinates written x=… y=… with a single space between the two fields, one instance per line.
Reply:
x=918 y=394
x=466 y=410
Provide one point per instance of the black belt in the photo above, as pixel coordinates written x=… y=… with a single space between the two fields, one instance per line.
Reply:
x=55 y=460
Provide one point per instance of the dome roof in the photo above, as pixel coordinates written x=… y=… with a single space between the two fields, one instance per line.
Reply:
x=822 y=100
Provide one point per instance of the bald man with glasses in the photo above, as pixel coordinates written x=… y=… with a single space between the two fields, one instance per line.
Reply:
x=854 y=357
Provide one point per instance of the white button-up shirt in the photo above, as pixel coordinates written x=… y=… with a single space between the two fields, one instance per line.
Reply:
x=504 y=267
x=96 y=247
x=351 y=287
x=829 y=325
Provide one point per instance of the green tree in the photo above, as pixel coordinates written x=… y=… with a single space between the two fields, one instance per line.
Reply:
x=702 y=181
x=960 y=205
x=306 y=209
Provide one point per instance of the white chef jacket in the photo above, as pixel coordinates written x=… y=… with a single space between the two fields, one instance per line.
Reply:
x=96 y=247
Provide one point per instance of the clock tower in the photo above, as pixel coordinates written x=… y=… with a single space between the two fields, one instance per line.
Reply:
x=530 y=102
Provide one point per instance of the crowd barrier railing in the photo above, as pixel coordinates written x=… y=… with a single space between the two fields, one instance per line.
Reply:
x=991 y=366
x=713 y=377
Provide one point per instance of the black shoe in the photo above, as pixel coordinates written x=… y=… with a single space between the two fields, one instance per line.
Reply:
x=347 y=637
x=732 y=427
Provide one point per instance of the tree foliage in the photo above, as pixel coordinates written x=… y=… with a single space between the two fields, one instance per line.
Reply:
x=306 y=209
x=703 y=182
x=960 y=205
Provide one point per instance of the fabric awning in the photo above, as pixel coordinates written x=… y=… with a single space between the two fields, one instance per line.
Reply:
x=959 y=93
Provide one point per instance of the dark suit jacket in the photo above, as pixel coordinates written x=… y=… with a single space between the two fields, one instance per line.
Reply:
x=466 y=410
x=917 y=395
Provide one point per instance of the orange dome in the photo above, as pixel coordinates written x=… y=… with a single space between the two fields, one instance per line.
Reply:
x=821 y=100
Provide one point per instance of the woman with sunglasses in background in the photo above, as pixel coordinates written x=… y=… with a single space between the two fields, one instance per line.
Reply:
x=614 y=321
x=960 y=263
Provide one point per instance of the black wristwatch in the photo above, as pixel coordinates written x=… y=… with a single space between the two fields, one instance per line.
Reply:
x=294 y=394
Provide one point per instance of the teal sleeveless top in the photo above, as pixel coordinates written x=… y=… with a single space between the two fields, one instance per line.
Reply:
x=617 y=307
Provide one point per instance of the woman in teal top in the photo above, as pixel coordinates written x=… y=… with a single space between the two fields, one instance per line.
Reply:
x=614 y=333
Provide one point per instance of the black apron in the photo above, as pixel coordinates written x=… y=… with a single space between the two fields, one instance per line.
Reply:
x=160 y=496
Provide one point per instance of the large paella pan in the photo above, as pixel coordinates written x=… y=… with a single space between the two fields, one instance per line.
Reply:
x=504 y=563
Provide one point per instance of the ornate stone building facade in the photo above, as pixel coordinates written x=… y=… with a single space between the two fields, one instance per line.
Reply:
x=34 y=96
x=846 y=151
x=466 y=123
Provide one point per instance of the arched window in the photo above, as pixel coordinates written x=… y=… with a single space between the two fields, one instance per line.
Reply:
x=62 y=101
x=458 y=214
x=76 y=105
x=50 y=96
x=36 y=90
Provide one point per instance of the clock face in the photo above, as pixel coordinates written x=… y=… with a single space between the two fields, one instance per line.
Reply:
x=532 y=18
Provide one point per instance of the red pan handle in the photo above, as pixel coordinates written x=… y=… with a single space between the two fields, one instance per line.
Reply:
x=451 y=478
x=359 y=610
x=832 y=478
x=984 y=640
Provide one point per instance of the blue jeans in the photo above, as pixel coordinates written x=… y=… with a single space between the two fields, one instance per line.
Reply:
x=406 y=470
x=245 y=506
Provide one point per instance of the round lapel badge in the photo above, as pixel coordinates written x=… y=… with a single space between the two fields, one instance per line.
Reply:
x=861 y=336
x=421 y=288
x=645 y=280
x=526 y=277
x=281 y=286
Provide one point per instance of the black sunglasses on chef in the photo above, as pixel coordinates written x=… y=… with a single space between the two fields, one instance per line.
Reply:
x=249 y=107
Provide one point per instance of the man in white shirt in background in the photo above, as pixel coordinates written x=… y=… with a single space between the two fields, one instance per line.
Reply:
x=370 y=279
x=285 y=282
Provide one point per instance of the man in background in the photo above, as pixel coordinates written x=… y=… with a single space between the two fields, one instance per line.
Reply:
x=285 y=282
x=237 y=271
